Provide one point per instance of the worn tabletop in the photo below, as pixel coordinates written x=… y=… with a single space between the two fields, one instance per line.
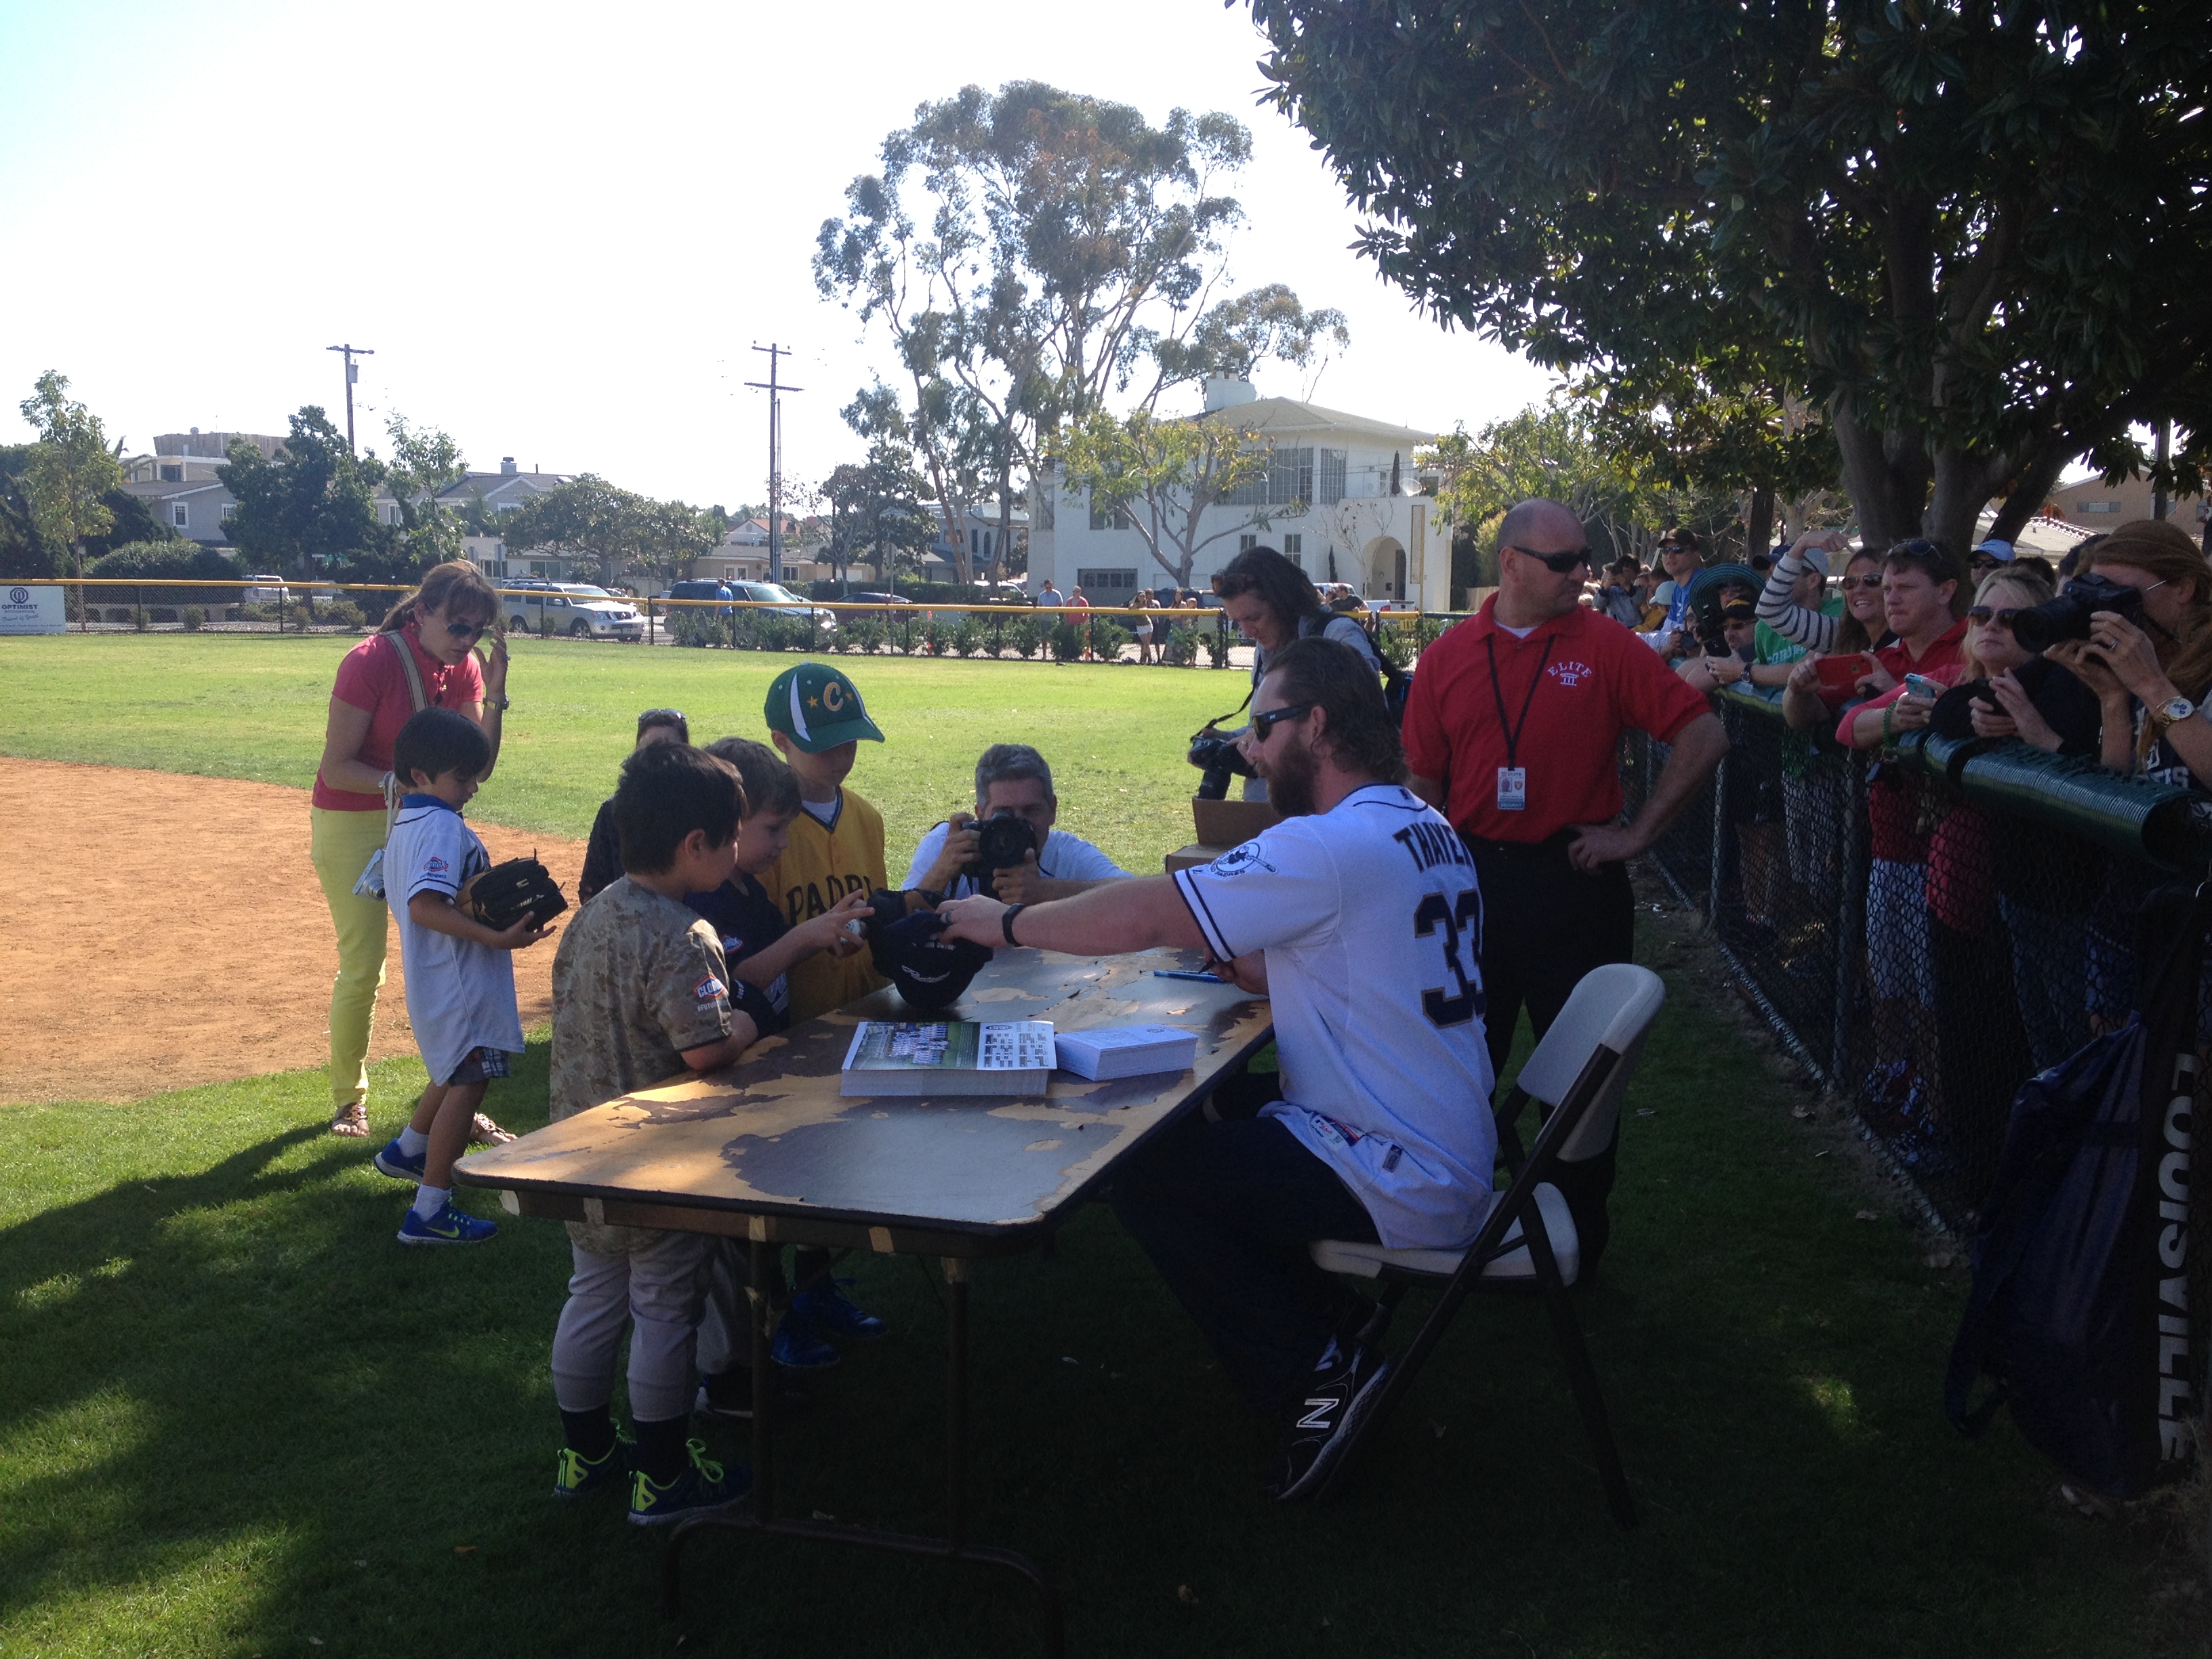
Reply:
x=768 y=1148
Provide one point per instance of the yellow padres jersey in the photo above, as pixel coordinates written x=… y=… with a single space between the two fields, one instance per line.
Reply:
x=823 y=863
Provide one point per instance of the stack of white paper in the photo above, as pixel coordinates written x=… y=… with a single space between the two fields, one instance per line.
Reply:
x=949 y=1057
x=1112 y=1051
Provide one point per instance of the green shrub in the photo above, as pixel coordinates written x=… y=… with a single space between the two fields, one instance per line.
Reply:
x=1107 y=639
x=1180 y=648
x=180 y=561
x=936 y=636
x=971 y=636
x=695 y=626
x=1028 y=634
x=1067 y=642
x=864 y=634
x=194 y=618
x=1395 y=645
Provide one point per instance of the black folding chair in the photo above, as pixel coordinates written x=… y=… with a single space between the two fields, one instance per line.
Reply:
x=1580 y=1070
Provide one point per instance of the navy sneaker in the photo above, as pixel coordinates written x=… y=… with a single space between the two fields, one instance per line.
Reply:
x=449 y=1226
x=397 y=1164
x=574 y=1474
x=729 y=1397
x=1323 y=1420
x=800 y=1351
x=700 y=1485
x=827 y=1311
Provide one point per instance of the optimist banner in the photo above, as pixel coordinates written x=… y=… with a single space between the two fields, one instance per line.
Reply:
x=30 y=610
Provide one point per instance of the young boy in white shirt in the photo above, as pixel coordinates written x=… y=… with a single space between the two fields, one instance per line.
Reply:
x=460 y=976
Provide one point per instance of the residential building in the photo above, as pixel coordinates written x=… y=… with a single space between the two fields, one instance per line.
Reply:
x=2094 y=505
x=1335 y=500
x=179 y=482
x=503 y=491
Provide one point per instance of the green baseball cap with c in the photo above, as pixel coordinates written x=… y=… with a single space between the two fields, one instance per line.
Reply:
x=817 y=708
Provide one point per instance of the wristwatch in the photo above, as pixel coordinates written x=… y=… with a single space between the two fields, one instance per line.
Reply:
x=2172 y=711
x=1007 y=922
x=499 y=701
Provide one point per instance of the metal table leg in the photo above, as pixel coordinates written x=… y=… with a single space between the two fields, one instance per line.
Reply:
x=760 y=1516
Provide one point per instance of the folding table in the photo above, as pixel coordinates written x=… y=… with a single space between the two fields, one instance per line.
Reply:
x=768 y=1150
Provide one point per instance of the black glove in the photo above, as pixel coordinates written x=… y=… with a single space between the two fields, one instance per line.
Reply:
x=502 y=895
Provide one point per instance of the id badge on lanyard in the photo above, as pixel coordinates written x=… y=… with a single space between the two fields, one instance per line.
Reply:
x=1512 y=788
x=1513 y=778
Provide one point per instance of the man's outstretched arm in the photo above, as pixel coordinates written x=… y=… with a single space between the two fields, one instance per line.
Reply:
x=1142 y=913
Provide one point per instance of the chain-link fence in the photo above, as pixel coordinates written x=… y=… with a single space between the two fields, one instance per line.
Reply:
x=1928 y=927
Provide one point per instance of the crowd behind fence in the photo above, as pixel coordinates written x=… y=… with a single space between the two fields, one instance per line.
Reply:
x=1926 y=990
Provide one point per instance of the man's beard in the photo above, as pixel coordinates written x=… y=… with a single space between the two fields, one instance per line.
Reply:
x=1291 y=776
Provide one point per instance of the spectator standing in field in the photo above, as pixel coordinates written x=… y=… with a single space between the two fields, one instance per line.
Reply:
x=1048 y=595
x=1679 y=555
x=1140 y=626
x=423 y=656
x=1618 y=599
x=1513 y=731
x=1918 y=580
x=640 y=992
x=2043 y=887
x=603 y=852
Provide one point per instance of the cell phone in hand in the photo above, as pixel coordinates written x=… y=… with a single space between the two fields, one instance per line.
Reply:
x=1839 y=676
x=1919 y=685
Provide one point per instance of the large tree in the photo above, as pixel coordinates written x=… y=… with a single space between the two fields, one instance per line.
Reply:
x=310 y=511
x=69 y=470
x=424 y=461
x=1982 y=236
x=588 y=517
x=1031 y=251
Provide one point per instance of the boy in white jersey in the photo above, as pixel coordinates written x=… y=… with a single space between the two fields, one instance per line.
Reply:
x=460 y=973
x=1360 y=917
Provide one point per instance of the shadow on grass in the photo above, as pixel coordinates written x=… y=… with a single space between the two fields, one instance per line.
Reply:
x=234 y=1415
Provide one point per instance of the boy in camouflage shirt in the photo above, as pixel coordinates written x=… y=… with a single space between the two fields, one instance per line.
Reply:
x=640 y=992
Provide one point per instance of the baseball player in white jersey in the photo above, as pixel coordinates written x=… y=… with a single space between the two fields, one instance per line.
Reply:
x=1360 y=917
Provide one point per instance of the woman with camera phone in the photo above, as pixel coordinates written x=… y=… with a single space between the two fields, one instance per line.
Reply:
x=1816 y=690
x=2150 y=675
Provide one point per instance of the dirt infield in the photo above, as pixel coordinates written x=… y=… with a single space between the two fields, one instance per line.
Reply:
x=158 y=931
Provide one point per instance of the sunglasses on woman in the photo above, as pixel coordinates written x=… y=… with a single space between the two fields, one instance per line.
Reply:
x=1982 y=613
x=470 y=631
x=1871 y=579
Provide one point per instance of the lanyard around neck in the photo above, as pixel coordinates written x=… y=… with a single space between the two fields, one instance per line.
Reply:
x=1512 y=731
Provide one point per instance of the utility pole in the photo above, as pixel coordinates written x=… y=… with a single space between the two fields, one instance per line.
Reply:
x=776 y=391
x=2165 y=448
x=353 y=374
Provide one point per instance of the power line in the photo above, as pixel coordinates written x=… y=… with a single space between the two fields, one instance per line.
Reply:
x=353 y=374
x=774 y=353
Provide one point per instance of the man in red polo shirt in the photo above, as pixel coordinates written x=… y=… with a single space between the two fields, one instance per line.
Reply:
x=1513 y=733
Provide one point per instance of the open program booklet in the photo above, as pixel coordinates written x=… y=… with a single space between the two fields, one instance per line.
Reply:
x=949 y=1057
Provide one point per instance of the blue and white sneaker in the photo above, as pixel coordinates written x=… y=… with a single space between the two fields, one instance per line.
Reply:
x=700 y=1485
x=827 y=1311
x=449 y=1226
x=397 y=1164
x=796 y=1349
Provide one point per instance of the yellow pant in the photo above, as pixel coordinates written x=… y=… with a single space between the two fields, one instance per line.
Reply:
x=341 y=847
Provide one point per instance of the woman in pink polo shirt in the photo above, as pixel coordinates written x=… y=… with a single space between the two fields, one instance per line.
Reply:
x=434 y=630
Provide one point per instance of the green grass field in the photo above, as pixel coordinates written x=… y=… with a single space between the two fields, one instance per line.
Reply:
x=253 y=707
x=236 y=1419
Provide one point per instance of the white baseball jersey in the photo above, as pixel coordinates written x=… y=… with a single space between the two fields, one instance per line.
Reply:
x=461 y=994
x=1371 y=921
x=1065 y=858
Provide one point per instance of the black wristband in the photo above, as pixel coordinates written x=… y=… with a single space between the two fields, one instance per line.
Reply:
x=1006 y=922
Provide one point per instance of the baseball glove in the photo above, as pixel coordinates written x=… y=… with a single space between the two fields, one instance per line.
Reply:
x=502 y=895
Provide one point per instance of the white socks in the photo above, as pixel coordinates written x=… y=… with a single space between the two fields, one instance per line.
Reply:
x=428 y=1200
x=413 y=1142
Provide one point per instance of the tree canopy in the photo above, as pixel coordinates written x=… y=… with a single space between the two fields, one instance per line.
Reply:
x=1975 y=240
x=69 y=470
x=1161 y=476
x=308 y=511
x=1030 y=252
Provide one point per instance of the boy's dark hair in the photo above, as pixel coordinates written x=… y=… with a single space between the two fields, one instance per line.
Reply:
x=666 y=792
x=770 y=785
x=671 y=718
x=1332 y=675
x=436 y=741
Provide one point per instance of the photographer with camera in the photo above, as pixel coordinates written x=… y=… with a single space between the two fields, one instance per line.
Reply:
x=1008 y=847
x=1272 y=602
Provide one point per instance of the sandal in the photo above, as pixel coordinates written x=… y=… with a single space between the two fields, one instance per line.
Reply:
x=351 y=1120
x=483 y=1132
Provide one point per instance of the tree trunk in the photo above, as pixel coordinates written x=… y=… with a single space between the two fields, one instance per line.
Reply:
x=1886 y=473
x=1759 y=528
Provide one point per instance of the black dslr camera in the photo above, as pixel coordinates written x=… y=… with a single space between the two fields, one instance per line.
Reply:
x=2067 y=617
x=1217 y=759
x=1002 y=841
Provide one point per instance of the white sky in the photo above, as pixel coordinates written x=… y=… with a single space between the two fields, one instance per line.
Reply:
x=561 y=227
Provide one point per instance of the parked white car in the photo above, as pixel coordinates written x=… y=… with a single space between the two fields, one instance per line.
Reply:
x=576 y=608
x=272 y=591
